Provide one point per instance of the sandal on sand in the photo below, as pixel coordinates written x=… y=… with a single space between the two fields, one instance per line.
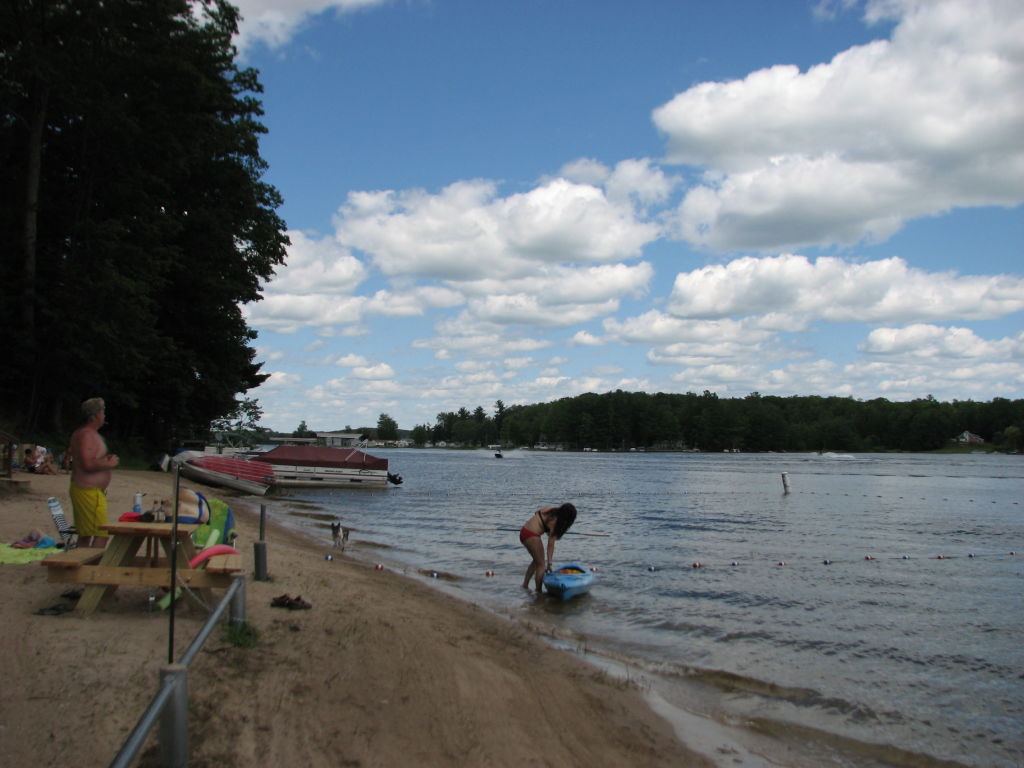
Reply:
x=298 y=603
x=282 y=601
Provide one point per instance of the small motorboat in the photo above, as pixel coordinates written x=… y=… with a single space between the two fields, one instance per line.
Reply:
x=568 y=581
x=226 y=471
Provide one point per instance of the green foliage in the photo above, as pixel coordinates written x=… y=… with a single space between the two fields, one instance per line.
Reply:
x=241 y=426
x=244 y=635
x=420 y=435
x=303 y=431
x=134 y=214
x=623 y=420
x=387 y=428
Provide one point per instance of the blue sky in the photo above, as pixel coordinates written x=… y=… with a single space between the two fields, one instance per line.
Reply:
x=531 y=199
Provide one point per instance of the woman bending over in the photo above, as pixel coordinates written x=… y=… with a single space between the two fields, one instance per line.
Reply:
x=553 y=521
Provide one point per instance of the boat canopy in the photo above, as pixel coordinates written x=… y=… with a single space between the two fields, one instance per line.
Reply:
x=320 y=456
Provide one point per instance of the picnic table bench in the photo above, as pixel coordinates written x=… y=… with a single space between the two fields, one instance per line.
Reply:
x=102 y=571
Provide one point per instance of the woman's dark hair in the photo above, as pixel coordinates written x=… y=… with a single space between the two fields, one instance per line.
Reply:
x=565 y=516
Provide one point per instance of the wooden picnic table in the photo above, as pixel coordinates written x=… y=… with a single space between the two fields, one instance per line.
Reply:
x=102 y=571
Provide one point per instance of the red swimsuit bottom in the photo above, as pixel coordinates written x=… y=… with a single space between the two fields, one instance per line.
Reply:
x=525 y=533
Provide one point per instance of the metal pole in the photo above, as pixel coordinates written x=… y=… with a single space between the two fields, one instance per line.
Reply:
x=259 y=556
x=785 y=482
x=174 y=718
x=263 y=521
x=174 y=564
x=236 y=611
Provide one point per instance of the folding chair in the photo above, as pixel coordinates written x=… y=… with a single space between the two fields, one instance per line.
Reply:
x=67 y=534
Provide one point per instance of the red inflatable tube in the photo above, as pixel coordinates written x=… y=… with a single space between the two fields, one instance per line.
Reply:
x=206 y=554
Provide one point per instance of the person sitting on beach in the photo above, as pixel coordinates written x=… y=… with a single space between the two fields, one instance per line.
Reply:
x=553 y=521
x=38 y=460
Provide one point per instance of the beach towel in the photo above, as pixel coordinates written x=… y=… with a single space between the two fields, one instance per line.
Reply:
x=11 y=556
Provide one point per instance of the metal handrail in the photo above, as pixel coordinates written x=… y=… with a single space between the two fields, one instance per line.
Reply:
x=174 y=681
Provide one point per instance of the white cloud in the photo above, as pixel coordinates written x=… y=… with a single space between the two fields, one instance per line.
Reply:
x=832 y=289
x=376 y=371
x=317 y=265
x=932 y=341
x=929 y=120
x=280 y=379
x=268 y=354
x=655 y=327
x=586 y=170
x=351 y=360
x=478 y=344
x=640 y=181
x=466 y=232
x=585 y=339
x=523 y=309
x=631 y=180
x=287 y=313
x=275 y=22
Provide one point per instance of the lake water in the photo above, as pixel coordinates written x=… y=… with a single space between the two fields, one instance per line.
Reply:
x=907 y=658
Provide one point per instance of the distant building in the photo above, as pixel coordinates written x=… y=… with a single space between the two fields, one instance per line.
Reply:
x=969 y=438
x=339 y=439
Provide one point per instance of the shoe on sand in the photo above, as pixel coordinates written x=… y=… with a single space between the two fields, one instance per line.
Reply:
x=298 y=603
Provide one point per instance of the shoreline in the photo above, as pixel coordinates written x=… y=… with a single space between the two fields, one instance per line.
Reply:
x=382 y=671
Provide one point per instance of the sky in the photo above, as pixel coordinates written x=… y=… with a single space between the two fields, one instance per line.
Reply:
x=524 y=200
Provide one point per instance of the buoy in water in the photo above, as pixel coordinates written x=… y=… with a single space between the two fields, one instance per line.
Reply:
x=379 y=567
x=869 y=557
x=782 y=562
x=698 y=565
x=734 y=563
x=651 y=568
x=904 y=557
x=488 y=573
x=826 y=561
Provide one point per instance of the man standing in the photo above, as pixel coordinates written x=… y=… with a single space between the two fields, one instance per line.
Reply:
x=91 y=467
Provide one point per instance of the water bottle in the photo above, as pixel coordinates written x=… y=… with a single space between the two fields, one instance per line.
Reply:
x=137 y=504
x=55 y=507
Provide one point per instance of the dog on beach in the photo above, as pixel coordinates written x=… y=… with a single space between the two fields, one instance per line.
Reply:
x=339 y=534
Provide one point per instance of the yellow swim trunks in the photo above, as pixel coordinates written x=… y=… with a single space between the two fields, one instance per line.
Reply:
x=90 y=508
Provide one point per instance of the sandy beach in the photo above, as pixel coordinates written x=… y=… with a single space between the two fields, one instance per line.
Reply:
x=381 y=671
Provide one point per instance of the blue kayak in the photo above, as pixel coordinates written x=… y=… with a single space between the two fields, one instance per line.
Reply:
x=568 y=581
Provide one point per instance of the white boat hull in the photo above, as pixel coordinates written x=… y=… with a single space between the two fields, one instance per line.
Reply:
x=328 y=477
x=221 y=479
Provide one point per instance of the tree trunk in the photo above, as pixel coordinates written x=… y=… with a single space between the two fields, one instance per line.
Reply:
x=30 y=230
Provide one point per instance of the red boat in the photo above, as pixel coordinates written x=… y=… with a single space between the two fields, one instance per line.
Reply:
x=319 y=466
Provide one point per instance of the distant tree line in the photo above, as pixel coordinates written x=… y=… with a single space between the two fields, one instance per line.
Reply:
x=623 y=420
x=134 y=221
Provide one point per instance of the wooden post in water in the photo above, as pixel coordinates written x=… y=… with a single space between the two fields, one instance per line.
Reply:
x=785 y=482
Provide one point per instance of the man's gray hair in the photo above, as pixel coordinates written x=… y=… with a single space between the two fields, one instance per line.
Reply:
x=91 y=407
